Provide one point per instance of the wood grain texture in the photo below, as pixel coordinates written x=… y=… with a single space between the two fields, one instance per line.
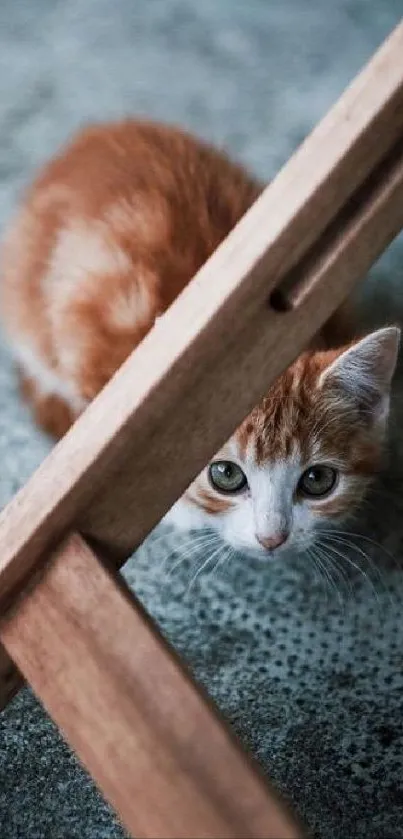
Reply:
x=156 y=747
x=219 y=338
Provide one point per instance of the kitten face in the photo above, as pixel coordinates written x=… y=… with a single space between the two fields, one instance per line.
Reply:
x=304 y=457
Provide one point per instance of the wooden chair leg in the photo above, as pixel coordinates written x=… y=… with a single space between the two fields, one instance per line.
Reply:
x=125 y=703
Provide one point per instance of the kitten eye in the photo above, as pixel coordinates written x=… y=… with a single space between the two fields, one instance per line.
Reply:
x=317 y=481
x=227 y=477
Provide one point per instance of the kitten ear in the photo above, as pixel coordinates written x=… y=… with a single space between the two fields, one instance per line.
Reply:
x=365 y=371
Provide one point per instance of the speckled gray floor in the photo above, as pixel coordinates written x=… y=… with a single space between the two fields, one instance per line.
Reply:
x=310 y=675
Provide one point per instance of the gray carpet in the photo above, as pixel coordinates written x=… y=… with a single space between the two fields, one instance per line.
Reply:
x=308 y=671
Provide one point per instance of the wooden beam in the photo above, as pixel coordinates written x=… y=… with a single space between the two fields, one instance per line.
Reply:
x=220 y=337
x=153 y=743
x=119 y=518
x=10 y=679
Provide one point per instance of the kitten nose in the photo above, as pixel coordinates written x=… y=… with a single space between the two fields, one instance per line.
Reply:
x=274 y=541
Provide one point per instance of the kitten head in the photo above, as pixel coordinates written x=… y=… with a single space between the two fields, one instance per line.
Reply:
x=303 y=459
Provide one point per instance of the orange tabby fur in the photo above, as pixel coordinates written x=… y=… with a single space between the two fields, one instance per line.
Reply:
x=109 y=234
x=137 y=209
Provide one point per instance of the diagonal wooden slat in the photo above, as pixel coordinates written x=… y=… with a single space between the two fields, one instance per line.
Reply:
x=119 y=518
x=123 y=700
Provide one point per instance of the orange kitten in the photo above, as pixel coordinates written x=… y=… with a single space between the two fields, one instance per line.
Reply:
x=109 y=234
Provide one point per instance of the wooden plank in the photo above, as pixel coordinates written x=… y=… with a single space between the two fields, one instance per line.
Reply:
x=10 y=679
x=153 y=743
x=118 y=518
x=208 y=343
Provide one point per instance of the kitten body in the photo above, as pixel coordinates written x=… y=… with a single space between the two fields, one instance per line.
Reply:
x=107 y=237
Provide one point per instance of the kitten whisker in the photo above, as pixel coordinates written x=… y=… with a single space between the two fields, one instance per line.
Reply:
x=166 y=558
x=348 y=543
x=328 y=559
x=185 y=554
x=332 y=582
x=192 y=549
x=379 y=576
x=320 y=571
x=227 y=553
x=194 y=539
x=365 y=538
x=360 y=570
x=201 y=569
